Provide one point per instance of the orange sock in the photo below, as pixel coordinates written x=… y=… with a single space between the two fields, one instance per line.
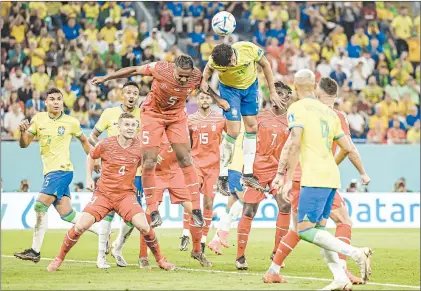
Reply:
x=343 y=232
x=152 y=242
x=243 y=231
x=186 y=219
x=196 y=235
x=282 y=227
x=207 y=216
x=190 y=177
x=70 y=239
x=285 y=247
x=143 y=246
x=148 y=182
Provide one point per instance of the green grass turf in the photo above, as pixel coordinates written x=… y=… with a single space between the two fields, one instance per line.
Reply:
x=396 y=261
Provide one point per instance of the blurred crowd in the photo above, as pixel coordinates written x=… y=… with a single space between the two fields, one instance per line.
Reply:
x=372 y=50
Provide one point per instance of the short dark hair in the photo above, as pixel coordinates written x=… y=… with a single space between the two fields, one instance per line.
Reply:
x=131 y=83
x=53 y=91
x=281 y=86
x=125 y=115
x=222 y=54
x=328 y=85
x=184 y=62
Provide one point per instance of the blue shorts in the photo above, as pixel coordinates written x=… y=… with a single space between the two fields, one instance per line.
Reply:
x=57 y=184
x=315 y=204
x=139 y=189
x=234 y=182
x=243 y=102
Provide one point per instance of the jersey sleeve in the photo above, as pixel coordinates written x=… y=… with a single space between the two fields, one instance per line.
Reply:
x=33 y=127
x=344 y=124
x=103 y=122
x=295 y=116
x=76 y=129
x=151 y=69
x=96 y=151
x=257 y=52
x=338 y=132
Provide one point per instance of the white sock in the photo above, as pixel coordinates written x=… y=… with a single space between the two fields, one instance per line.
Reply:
x=225 y=222
x=203 y=240
x=326 y=240
x=94 y=228
x=223 y=168
x=249 y=150
x=186 y=232
x=227 y=148
x=123 y=235
x=333 y=262
x=104 y=230
x=274 y=268
x=40 y=228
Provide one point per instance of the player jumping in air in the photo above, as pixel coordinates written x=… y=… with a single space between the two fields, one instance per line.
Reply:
x=313 y=128
x=163 y=111
x=272 y=133
x=169 y=176
x=206 y=127
x=238 y=85
x=109 y=122
x=115 y=190
x=54 y=131
x=327 y=92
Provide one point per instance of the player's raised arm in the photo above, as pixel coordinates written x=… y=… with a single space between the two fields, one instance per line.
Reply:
x=207 y=73
x=27 y=133
x=124 y=73
x=348 y=148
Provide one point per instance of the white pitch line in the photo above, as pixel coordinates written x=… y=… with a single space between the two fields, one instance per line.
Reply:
x=241 y=273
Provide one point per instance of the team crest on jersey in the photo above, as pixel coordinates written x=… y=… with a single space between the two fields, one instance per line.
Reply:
x=213 y=127
x=291 y=117
x=61 y=130
x=234 y=112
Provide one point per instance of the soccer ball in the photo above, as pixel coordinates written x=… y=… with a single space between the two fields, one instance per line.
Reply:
x=223 y=23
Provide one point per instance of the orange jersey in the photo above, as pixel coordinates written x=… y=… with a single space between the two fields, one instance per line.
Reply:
x=119 y=165
x=167 y=96
x=272 y=133
x=168 y=163
x=345 y=129
x=206 y=135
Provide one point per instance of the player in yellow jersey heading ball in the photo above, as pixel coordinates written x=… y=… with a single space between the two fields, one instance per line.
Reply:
x=238 y=85
x=54 y=131
x=109 y=122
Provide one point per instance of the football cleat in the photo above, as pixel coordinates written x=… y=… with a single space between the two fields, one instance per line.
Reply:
x=273 y=278
x=163 y=264
x=28 y=255
x=241 y=263
x=101 y=263
x=354 y=279
x=54 y=265
x=118 y=256
x=215 y=246
x=339 y=285
x=198 y=218
x=184 y=244
x=364 y=263
x=204 y=262
x=271 y=258
x=156 y=219
x=144 y=263
x=223 y=186
x=253 y=182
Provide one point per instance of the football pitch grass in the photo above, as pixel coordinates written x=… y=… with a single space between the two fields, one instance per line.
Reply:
x=395 y=264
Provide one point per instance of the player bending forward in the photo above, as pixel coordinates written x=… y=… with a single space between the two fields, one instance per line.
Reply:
x=109 y=122
x=115 y=190
x=314 y=126
x=326 y=93
x=169 y=176
x=163 y=112
x=206 y=127
x=238 y=85
x=272 y=132
x=54 y=131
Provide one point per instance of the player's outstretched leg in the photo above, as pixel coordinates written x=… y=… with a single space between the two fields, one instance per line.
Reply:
x=282 y=222
x=185 y=237
x=148 y=181
x=71 y=238
x=243 y=231
x=104 y=243
x=143 y=252
x=117 y=246
x=140 y=222
x=208 y=215
x=222 y=184
x=196 y=253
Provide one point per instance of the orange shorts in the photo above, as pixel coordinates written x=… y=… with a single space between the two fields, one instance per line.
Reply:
x=124 y=204
x=207 y=180
x=338 y=201
x=176 y=186
x=154 y=125
x=252 y=195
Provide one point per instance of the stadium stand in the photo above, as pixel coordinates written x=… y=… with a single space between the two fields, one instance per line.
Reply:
x=372 y=49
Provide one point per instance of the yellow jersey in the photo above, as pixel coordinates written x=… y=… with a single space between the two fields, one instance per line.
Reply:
x=238 y=158
x=244 y=73
x=321 y=126
x=109 y=122
x=54 y=136
x=402 y=26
